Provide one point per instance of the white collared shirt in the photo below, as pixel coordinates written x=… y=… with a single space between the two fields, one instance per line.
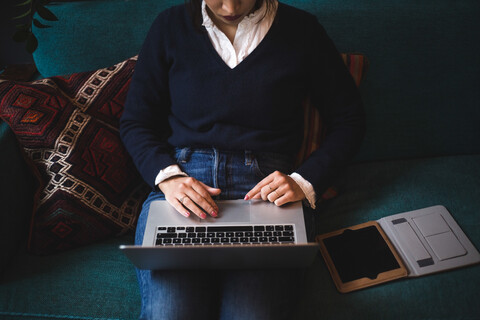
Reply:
x=250 y=32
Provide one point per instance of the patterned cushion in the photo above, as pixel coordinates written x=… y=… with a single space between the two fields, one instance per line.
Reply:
x=88 y=187
x=314 y=132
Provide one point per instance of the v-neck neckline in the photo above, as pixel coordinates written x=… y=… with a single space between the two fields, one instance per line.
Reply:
x=218 y=58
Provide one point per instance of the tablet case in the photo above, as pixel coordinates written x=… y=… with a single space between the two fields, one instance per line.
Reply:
x=408 y=244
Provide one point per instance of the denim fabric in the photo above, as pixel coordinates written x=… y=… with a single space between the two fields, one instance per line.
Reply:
x=221 y=294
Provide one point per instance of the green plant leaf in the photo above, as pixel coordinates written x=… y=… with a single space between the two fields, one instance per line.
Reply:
x=24 y=3
x=22 y=27
x=46 y=14
x=23 y=15
x=21 y=35
x=32 y=43
x=38 y=24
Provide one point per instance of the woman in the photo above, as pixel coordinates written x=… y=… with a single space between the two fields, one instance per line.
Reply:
x=214 y=111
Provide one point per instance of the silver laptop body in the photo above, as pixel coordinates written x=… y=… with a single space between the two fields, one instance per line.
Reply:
x=285 y=220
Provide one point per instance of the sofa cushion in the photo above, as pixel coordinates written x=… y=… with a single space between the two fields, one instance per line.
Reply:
x=91 y=282
x=88 y=188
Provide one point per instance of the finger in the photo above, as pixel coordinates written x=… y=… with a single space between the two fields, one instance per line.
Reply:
x=274 y=195
x=267 y=190
x=211 y=190
x=202 y=199
x=192 y=206
x=258 y=187
x=286 y=198
x=176 y=204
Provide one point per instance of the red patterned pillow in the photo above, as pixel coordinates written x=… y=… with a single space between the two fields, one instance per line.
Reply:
x=314 y=132
x=88 y=187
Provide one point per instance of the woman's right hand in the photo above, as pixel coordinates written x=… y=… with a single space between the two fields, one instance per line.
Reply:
x=187 y=194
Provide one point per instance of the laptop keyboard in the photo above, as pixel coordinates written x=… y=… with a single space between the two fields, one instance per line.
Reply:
x=224 y=235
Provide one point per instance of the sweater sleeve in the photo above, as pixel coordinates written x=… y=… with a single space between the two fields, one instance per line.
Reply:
x=336 y=96
x=144 y=125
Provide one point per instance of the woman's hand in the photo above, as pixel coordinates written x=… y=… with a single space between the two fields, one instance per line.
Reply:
x=278 y=188
x=187 y=194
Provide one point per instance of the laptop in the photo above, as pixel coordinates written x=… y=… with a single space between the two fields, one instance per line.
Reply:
x=247 y=234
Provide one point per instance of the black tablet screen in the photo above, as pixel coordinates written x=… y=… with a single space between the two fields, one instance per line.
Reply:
x=360 y=253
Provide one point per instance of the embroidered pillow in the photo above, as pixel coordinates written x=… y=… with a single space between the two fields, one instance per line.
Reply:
x=314 y=133
x=88 y=187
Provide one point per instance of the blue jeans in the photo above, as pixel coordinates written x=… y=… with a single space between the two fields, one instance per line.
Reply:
x=221 y=294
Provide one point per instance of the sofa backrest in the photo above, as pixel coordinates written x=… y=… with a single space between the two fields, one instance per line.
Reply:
x=421 y=91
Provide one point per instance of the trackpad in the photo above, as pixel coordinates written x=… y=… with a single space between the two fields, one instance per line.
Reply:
x=231 y=211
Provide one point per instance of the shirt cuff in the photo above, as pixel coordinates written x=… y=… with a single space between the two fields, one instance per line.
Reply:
x=168 y=172
x=306 y=187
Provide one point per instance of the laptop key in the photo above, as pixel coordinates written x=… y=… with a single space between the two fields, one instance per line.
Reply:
x=259 y=228
x=263 y=239
x=177 y=240
x=269 y=228
x=285 y=239
x=288 y=227
x=190 y=229
x=166 y=235
x=224 y=240
x=278 y=228
x=171 y=229
x=186 y=240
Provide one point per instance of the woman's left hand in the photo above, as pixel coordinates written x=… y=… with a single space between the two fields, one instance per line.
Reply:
x=278 y=188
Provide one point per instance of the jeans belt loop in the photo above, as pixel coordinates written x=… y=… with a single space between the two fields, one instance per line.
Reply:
x=184 y=154
x=248 y=157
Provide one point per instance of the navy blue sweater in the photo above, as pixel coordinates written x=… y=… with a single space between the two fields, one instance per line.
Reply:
x=183 y=94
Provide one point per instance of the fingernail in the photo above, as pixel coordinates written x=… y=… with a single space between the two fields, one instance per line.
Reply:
x=213 y=214
x=246 y=197
x=203 y=215
x=187 y=214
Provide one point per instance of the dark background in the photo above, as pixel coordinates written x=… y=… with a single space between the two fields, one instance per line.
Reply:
x=11 y=52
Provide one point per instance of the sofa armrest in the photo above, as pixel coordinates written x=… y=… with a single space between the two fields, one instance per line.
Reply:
x=16 y=196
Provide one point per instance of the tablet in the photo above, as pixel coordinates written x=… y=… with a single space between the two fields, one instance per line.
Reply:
x=360 y=256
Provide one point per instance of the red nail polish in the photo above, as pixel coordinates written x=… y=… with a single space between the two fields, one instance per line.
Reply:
x=214 y=214
x=203 y=215
x=187 y=214
x=246 y=197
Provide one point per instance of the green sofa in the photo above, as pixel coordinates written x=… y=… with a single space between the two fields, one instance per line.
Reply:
x=422 y=148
